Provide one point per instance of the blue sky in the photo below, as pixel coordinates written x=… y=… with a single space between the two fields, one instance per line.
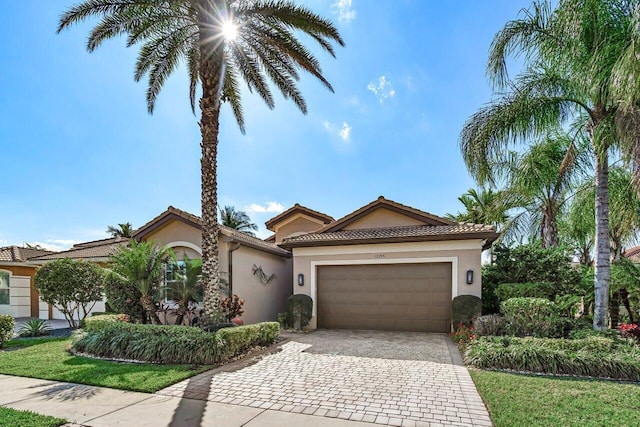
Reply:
x=80 y=152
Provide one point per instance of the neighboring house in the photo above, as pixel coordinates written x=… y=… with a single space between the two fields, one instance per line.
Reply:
x=18 y=296
x=384 y=266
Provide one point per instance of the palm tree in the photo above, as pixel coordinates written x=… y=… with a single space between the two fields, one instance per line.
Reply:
x=238 y=220
x=580 y=65
x=482 y=207
x=122 y=230
x=577 y=225
x=188 y=285
x=141 y=264
x=222 y=43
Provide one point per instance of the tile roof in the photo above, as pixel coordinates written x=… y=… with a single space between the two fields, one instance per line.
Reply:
x=20 y=254
x=633 y=254
x=409 y=233
x=196 y=221
x=298 y=208
x=97 y=250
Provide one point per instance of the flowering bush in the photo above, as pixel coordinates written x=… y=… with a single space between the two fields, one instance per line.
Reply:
x=232 y=307
x=630 y=330
x=464 y=335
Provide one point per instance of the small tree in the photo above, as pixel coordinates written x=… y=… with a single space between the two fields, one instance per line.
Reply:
x=73 y=287
x=187 y=288
x=124 y=297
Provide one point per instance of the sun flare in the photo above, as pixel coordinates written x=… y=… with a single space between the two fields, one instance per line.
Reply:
x=229 y=30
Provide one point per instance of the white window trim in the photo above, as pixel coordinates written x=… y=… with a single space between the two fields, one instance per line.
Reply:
x=184 y=244
x=315 y=264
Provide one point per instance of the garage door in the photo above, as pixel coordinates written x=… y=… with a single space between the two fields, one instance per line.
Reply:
x=393 y=297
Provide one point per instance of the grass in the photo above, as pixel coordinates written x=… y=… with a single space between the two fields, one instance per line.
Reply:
x=522 y=400
x=47 y=358
x=13 y=417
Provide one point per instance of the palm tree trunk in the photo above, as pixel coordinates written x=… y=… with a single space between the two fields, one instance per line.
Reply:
x=182 y=309
x=211 y=75
x=603 y=250
x=549 y=230
x=150 y=308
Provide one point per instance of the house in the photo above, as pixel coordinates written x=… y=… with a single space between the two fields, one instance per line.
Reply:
x=18 y=296
x=384 y=266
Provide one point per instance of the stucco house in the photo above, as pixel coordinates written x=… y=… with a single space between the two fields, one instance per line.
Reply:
x=18 y=296
x=384 y=266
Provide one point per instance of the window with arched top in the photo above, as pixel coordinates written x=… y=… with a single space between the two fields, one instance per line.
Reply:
x=4 y=287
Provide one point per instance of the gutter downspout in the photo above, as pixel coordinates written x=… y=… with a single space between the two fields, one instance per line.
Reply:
x=234 y=246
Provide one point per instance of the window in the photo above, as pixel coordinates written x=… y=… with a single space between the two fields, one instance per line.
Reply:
x=174 y=273
x=4 y=288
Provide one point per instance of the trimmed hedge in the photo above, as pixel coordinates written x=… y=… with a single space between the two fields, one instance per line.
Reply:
x=106 y=336
x=530 y=317
x=600 y=357
x=464 y=309
x=6 y=328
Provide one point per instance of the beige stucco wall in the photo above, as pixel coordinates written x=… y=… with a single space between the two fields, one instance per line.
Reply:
x=296 y=224
x=381 y=218
x=263 y=301
x=463 y=254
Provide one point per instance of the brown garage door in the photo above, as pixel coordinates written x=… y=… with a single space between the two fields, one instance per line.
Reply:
x=393 y=297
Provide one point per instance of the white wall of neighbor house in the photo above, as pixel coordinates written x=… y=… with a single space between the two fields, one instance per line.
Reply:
x=19 y=297
x=463 y=255
x=263 y=301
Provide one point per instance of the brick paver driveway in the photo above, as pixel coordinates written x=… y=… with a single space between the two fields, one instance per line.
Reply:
x=401 y=379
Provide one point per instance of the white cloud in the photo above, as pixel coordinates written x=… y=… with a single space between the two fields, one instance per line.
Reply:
x=345 y=132
x=382 y=90
x=345 y=13
x=271 y=207
x=56 y=244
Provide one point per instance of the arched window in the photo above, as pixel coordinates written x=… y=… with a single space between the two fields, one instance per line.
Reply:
x=4 y=288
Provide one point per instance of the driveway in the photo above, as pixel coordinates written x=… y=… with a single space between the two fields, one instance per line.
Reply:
x=389 y=378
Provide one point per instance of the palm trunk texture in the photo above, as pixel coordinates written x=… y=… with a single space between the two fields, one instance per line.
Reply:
x=150 y=308
x=211 y=74
x=603 y=250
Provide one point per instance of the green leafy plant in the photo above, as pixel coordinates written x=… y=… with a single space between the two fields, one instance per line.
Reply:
x=73 y=287
x=299 y=310
x=490 y=324
x=631 y=331
x=282 y=319
x=465 y=308
x=232 y=307
x=34 y=328
x=530 y=317
x=6 y=328
x=124 y=297
x=593 y=356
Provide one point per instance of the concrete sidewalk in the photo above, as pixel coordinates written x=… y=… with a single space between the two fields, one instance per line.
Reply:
x=84 y=405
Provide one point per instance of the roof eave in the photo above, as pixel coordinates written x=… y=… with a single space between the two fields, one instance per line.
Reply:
x=487 y=236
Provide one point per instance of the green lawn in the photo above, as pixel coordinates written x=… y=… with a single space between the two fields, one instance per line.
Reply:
x=13 y=417
x=48 y=359
x=521 y=400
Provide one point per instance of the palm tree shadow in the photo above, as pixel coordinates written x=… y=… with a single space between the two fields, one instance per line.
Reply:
x=190 y=410
x=67 y=392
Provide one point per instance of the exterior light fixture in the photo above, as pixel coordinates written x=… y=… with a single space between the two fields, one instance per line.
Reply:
x=469 y=277
x=300 y=279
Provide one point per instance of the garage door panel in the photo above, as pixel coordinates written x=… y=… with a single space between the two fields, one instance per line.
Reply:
x=405 y=297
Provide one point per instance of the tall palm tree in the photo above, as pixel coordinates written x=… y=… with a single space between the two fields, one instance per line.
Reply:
x=577 y=225
x=222 y=42
x=122 y=230
x=482 y=207
x=238 y=220
x=141 y=264
x=580 y=65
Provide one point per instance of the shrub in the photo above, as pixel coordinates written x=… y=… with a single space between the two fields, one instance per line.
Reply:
x=299 y=310
x=530 y=316
x=595 y=356
x=530 y=264
x=95 y=323
x=631 y=331
x=465 y=308
x=282 y=319
x=6 y=328
x=505 y=291
x=231 y=307
x=463 y=335
x=108 y=337
x=73 y=287
x=490 y=324
x=124 y=297
x=34 y=328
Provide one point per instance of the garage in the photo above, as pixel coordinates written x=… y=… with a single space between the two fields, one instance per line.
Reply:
x=395 y=297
